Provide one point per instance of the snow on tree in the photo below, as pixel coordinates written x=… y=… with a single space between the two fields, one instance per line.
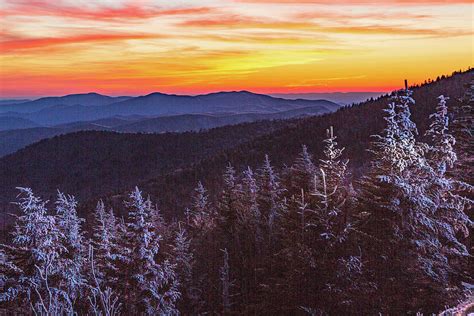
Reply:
x=331 y=192
x=272 y=207
x=315 y=236
x=35 y=258
x=106 y=246
x=154 y=283
x=251 y=212
x=270 y=193
x=462 y=126
x=103 y=301
x=201 y=203
x=9 y=275
x=397 y=148
x=303 y=171
x=229 y=177
x=450 y=205
x=333 y=166
x=183 y=255
x=406 y=202
x=183 y=259
x=201 y=214
x=407 y=126
x=69 y=225
x=442 y=154
x=229 y=205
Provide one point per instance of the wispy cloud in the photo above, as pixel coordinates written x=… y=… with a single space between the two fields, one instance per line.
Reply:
x=13 y=45
x=240 y=22
x=127 y=11
x=348 y=16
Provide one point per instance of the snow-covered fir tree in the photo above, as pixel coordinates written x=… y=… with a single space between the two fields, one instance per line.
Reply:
x=36 y=259
x=183 y=260
x=74 y=260
x=102 y=299
x=441 y=152
x=201 y=214
x=461 y=126
x=229 y=205
x=250 y=213
x=303 y=171
x=270 y=193
x=315 y=232
x=451 y=206
x=331 y=191
x=153 y=283
x=109 y=256
x=400 y=197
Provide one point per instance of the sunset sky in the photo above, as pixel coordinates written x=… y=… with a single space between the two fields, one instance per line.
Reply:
x=124 y=47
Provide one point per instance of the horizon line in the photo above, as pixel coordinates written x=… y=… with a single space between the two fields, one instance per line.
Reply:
x=37 y=97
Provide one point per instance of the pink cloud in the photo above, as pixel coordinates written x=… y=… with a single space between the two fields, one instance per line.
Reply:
x=126 y=12
x=19 y=44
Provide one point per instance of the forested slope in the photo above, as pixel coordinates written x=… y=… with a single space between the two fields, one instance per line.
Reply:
x=93 y=163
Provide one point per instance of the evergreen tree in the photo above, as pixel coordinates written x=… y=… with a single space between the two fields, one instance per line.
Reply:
x=315 y=238
x=202 y=221
x=229 y=207
x=331 y=192
x=153 y=285
x=272 y=205
x=452 y=222
x=441 y=153
x=108 y=256
x=308 y=243
x=250 y=213
x=303 y=172
x=270 y=193
x=183 y=260
x=201 y=214
x=462 y=127
x=69 y=225
x=403 y=222
x=102 y=299
x=251 y=263
x=36 y=260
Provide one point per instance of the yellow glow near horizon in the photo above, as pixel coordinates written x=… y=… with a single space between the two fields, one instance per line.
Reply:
x=269 y=46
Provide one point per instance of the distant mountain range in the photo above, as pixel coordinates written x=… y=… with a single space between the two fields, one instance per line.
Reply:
x=11 y=122
x=13 y=101
x=87 y=107
x=343 y=98
x=24 y=123
x=88 y=99
x=12 y=140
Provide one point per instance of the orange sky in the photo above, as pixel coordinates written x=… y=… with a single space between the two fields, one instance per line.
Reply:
x=125 y=47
